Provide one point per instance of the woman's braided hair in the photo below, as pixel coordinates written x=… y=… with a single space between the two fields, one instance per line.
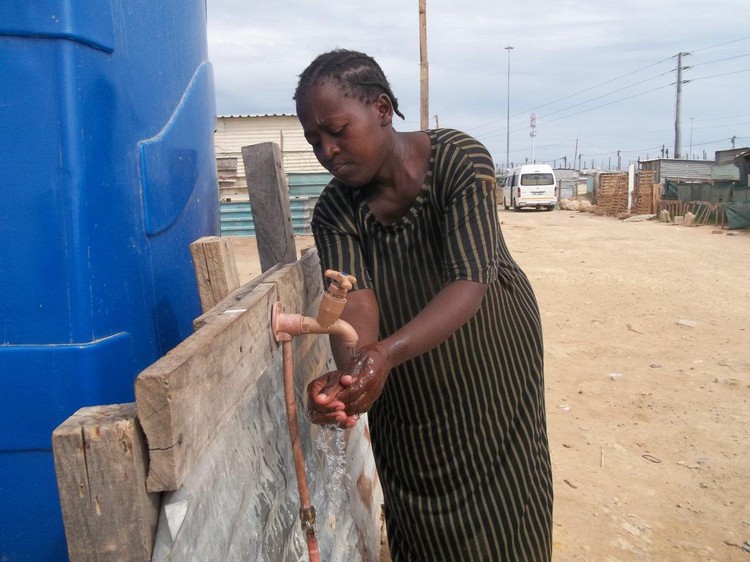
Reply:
x=358 y=74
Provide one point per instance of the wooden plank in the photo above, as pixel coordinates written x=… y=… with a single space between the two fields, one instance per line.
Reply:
x=269 y=201
x=188 y=395
x=100 y=460
x=185 y=397
x=230 y=301
x=215 y=269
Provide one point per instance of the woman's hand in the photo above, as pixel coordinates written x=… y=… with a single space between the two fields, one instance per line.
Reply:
x=368 y=373
x=322 y=403
x=339 y=397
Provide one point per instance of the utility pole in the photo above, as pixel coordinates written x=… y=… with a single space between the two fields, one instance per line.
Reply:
x=507 y=114
x=424 y=94
x=619 y=162
x=437 y=125
x=678 y=102
x=532 y=134
x=575 y=155
x=733 y=139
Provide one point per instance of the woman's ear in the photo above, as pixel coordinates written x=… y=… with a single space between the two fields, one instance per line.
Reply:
x=385 y=110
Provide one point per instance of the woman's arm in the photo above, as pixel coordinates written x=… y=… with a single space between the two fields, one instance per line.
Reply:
x=450 y=309
x=338 y=396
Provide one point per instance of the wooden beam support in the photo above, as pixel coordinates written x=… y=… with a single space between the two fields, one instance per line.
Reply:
x=215 y=269
x=101 y=462
x=269 y=201
x=186 y=397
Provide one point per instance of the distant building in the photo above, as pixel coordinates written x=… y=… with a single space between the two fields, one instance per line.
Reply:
x=235 y=131
x=306 y=178
x=728 y=165
x=678 y=170
x=725 y=167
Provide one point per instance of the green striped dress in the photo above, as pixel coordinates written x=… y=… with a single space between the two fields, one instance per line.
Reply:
x=459 y=433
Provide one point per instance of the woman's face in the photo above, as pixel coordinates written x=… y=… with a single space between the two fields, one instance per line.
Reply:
x=350 y=138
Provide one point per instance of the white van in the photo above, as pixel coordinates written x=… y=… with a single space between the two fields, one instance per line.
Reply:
x=532 y=185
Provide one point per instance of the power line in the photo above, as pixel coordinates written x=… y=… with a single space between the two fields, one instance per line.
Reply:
x=725 y=117
x=721 y=44
x=598 y=85
x=720 y=60
x=524 y=113
x=544 y=119
x=580 y=92
x=711 y=142
x=633 y=85
x=545 y=122
x=718 y=75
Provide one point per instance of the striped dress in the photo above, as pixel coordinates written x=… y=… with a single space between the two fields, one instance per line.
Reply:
x=459 y=433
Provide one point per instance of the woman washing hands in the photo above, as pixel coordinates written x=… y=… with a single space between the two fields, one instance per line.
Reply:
x=450 y=368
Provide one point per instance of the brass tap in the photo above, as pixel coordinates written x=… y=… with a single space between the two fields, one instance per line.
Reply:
x=285 y=326
x=333 y=301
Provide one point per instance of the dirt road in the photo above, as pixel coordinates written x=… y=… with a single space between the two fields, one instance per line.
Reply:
x=647 y=340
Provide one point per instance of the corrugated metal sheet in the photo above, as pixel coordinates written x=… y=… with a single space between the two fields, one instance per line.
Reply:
x=686 y=169
x=669 y=168
x=308 y=184
x=304 y=190
x=237 y=218
x=727 y=156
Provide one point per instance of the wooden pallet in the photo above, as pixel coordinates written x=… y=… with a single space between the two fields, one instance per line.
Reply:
x=643 y=197
x=613 y=194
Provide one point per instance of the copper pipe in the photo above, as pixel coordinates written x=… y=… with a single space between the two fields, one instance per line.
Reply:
x=307 y=511
x=298 y=325
x=284 y=328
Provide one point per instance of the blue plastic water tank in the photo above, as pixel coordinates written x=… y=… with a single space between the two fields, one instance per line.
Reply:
x=107 y=174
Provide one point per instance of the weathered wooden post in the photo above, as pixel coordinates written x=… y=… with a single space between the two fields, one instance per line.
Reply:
x=269 y=201
x=215 y=269
x=101 y=462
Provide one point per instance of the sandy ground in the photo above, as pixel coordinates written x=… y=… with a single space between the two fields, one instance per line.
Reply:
x=647 y=340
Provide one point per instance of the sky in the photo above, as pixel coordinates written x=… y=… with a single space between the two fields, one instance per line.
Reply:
x=600 y=77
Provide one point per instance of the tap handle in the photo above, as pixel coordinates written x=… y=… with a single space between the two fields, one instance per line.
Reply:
x=342 y=281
